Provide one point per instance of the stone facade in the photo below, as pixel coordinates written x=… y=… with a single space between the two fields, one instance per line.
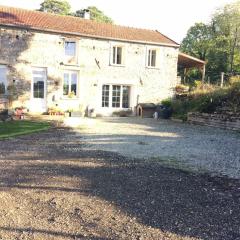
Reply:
x=22 y=50
x=224 y=121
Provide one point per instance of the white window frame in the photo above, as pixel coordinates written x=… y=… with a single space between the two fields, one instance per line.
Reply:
x=114 y=62
x=149 y=51
x=69 y=72
x=5 y=81
x=121 y=96
x=44 y=76
x=104 y=96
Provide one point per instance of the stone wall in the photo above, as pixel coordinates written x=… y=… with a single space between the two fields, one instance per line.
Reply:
x=21 y=50
x=224 y=121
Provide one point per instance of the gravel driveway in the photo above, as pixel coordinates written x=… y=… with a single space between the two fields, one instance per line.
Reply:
x=182 y=145
x=53 y=187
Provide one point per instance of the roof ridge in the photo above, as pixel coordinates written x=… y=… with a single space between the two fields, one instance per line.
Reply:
x=81 y=19
x=76 y=24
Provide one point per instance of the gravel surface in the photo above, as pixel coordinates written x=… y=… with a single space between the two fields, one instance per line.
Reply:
x=182 y=145
x=53 y=188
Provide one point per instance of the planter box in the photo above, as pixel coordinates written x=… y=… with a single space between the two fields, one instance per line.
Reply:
x=76 y=114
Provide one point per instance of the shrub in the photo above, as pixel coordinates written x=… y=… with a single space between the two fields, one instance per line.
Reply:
x=167 y=102
x=234 y=80
x=182 y=88
x=208 y=99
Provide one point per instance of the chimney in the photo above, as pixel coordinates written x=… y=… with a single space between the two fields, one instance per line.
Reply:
x=86 y=14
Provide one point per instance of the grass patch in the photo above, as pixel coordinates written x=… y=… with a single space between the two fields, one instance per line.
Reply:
x=16 y=128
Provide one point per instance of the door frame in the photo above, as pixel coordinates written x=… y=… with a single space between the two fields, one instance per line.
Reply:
x=44 y=100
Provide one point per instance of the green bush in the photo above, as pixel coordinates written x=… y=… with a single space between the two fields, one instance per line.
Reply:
x=234 y=80
x=167 y=102
x=207 y=100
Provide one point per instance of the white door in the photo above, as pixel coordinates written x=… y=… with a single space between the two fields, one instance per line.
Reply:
x=38 y=95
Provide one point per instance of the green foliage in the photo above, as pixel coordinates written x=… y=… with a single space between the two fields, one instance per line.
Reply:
x=95 y=14
x=60 y=7
x=218 y=42
x=12 y=92
x=234 y=80
x=226 y=25
x=167 y=102
x=208 y=99
x=198 y=40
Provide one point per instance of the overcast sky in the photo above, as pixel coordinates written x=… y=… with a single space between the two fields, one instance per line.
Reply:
x=171 y=17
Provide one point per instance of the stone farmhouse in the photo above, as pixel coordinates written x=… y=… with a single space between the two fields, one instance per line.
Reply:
x=51 y=61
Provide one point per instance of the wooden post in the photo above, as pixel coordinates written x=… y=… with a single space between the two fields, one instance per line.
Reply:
x=203 y=73
x=222 y=79
x=208 y=80
x=184 y=75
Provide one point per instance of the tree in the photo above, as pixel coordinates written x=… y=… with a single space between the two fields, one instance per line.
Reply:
x=218 y=42
x=95 y=14
x=61 y=7
x=226 y=26
x=198 y=41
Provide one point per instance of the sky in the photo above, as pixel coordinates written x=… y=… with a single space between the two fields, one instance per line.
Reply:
x=171 y=17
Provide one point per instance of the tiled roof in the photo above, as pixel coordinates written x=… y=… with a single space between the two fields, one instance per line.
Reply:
x=78 y=26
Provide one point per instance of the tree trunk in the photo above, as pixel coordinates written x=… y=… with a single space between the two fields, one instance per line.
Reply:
x=233 y=50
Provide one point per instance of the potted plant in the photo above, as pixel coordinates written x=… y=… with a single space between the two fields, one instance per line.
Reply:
x=72 y=94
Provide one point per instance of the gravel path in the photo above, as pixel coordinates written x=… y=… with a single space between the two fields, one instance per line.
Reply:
x=51 y=187
x=178 y=144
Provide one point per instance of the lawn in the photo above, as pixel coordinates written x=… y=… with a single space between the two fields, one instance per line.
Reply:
x=16 y=128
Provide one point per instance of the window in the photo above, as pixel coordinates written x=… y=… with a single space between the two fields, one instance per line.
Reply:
x=152 y=55
x=105 y=96
x=70 y=48
x=3 y=79
x=70 y=84
x=115 y=96
x=117 y=55
x=125 y=96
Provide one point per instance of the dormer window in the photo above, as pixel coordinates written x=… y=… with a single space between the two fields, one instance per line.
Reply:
x=152 y=57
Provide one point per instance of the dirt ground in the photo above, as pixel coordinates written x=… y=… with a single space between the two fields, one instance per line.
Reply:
x=200 y=148
x=51 y=188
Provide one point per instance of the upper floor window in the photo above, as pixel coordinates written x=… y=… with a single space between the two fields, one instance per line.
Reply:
x=70 y=48
x=3 y=79
x=117 y=55
x=70 y=84
x=152 y=58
